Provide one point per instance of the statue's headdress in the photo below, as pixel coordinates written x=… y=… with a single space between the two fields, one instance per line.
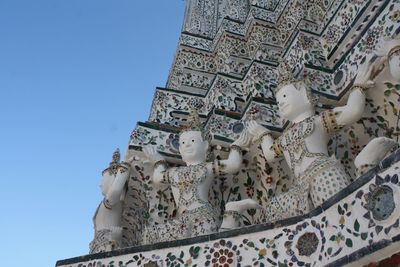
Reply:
x=116 y=157
x=193 y=122
x=288 y=75
x=113 y=168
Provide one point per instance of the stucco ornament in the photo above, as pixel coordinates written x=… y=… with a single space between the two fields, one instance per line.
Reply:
x=107 y=218
x=190 y=184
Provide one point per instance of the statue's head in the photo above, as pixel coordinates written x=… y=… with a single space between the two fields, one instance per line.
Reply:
x=292 y=94
x=293 y=99
x=192 y=146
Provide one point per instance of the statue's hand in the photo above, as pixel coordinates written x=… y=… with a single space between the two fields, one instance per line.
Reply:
x=242 y=205
x=256 y=130
x=384 y=46
x=374 y=151
x=364 y=76
x=378 y=66
x=243 y=141
x=151 y=154
x=127 y=158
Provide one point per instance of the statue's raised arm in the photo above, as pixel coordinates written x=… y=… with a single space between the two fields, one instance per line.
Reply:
x=233 y=162
x=353 y=110
x=261 y=134
x=160 y=164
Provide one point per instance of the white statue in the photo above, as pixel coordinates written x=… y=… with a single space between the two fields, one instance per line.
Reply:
x=190 y=184
x=304 y=143
x=107 y=218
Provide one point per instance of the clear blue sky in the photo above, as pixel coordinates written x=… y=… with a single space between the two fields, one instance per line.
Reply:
x=75 y=77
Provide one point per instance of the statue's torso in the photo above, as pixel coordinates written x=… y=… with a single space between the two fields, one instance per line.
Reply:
x=303 y=143
x=190 y=185
x=304 y=146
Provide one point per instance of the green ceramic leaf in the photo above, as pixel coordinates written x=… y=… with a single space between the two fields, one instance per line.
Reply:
x=349 y=243
x=250 y=244
x=356 y=226
x=364 y=236
x=340 y=210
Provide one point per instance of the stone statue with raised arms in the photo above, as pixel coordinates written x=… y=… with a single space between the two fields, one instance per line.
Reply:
x=303 y=144
x=190 y=184
x=107 y=218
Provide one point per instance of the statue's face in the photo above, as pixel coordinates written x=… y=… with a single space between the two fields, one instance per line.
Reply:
x=394 y=65
x=292 y=101
x=192 y=146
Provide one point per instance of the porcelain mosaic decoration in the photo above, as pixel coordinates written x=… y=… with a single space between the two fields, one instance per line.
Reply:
x=296 y=105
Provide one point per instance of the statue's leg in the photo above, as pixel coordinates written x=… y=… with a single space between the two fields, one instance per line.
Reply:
x=103 y=242
x=203 y=221
x=173 y=229
x=289 y=204
x=327 y=183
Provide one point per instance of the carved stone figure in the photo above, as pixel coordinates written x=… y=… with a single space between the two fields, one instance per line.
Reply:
x=190 y=184
x=107 y=218
x=304 y=143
